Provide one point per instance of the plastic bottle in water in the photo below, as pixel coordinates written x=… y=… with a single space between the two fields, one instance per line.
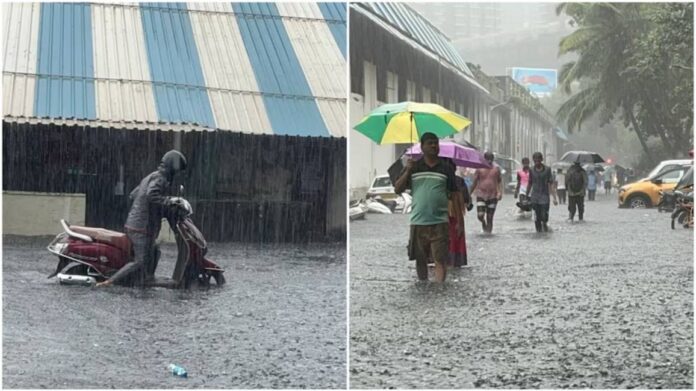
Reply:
x=177 y=370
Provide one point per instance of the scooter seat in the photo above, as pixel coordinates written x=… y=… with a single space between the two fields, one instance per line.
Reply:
x=101 y=235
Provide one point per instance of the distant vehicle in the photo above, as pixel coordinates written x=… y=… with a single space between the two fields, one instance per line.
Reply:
x=645 y=193
x=382 y=187
x=668 y=165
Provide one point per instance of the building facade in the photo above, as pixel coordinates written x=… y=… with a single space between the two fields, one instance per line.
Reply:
x=397 y=55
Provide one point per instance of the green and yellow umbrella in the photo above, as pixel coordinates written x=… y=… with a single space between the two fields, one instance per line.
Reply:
x=406 y=122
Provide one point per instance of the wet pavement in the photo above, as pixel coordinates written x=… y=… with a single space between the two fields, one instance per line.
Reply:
x=280 y=322
x=607 y=303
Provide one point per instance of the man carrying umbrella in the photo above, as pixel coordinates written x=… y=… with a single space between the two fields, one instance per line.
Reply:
x=432 y=184
x=576 y=184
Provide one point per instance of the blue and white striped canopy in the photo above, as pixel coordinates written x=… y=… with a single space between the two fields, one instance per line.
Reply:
x=274 y=68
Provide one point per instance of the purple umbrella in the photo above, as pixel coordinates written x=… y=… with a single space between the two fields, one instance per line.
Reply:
x=461 y=155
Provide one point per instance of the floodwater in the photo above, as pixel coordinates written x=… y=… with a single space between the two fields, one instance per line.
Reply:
x=607 y=303
x=279 y=322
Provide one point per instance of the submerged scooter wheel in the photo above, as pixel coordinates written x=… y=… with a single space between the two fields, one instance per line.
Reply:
x=219 y=278
x=204 y=278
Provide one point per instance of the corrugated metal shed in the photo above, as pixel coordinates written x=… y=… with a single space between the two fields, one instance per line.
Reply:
x=235 y=96
x=21 y=34
x=250 y=67
x=65 y=68
x=335 y=15
x=409 y=26
x=414 y=25
x=278 y=70
x=177 y=77
x=319 y=55
x=123 y=86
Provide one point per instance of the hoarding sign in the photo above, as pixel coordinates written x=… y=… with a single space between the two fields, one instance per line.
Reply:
x=538 y=81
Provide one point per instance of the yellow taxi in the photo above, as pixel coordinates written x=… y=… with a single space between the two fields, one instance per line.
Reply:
x=645 y=193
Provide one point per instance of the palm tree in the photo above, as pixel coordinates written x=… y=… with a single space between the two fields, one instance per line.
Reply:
x=603 y=42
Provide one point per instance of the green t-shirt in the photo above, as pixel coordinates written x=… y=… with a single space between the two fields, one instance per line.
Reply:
x=430 y=187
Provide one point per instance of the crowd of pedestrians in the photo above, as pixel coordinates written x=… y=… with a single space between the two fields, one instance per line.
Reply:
x=442 y=194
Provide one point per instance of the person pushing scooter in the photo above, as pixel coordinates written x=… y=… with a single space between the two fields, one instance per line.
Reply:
x=145 y=218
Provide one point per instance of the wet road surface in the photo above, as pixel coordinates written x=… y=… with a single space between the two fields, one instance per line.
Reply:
x=607 y=303
x=278 y=323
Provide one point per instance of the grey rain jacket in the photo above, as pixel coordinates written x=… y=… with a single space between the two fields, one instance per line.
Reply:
x=149 y=202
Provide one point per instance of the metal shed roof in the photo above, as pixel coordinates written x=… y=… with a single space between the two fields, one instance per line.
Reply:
x=414 y=25
x=250 y=67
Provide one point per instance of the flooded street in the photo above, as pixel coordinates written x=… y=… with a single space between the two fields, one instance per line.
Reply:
x=278 y=323
x=607 y=303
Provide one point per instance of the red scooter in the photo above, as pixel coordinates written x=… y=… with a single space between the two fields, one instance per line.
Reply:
x=89 y=255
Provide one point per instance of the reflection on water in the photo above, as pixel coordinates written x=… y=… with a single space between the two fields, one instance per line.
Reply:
x=603 y=304
x=278 y=323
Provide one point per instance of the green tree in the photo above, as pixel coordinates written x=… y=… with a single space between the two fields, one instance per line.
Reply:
x=633 y=60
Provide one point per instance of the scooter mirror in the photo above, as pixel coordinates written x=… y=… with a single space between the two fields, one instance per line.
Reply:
x=181 y=190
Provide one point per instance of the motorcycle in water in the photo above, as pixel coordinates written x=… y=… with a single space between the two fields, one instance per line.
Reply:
x=667 y=201
x=378 y=205
x=407 y=203
x=684 y=209
x=89 y=255
x=357 y=210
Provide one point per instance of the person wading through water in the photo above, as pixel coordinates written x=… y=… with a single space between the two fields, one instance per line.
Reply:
x=432 y=183
x=145 y=218
x=541 y=185
x=576 y=184
x=488 y=188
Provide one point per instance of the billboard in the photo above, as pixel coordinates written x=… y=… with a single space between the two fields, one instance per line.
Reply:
x=538 y=81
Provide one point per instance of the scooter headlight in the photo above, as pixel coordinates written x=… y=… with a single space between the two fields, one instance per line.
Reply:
x=183 y=206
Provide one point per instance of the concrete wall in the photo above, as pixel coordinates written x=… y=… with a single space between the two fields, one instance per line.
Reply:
x=38 y=214
x=34 y=214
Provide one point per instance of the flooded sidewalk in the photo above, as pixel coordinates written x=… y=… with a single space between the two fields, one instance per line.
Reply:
x=279 y=322
x=607 y=303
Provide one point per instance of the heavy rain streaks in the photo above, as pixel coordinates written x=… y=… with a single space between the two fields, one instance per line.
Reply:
x=275 y=324
x=603 y=304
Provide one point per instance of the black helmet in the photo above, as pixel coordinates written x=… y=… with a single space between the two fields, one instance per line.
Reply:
x=173 y=162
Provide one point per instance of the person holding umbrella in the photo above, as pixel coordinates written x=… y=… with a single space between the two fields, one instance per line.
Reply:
x=432 y=183
x=576 y=184
x=591 y=183
x=431 y=180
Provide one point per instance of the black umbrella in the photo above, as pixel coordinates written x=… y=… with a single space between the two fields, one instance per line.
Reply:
x=582 y=157
x=467 y=144
x=395 y=170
